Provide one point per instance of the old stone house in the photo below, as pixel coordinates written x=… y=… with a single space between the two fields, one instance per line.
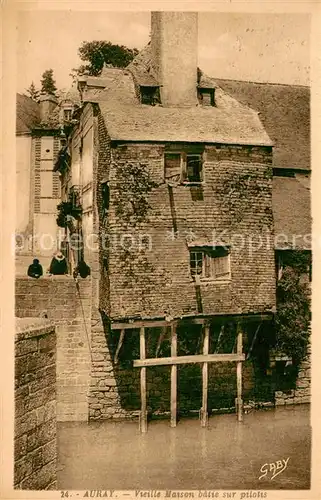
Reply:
x=39 y=137
x=185 y=183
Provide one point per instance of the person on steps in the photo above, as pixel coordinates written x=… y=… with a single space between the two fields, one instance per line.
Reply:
x=82 y=269
x=58 y=265
x=35 y=269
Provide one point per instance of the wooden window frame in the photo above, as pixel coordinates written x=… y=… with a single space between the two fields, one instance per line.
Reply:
x=208 y=264
x=183 y=167
x=178 y=153
x=67 y=112
x=185 y=179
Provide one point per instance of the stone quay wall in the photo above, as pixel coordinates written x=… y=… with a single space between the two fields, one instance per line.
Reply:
x=68 y=305
x=35 y=437
x=302 y=391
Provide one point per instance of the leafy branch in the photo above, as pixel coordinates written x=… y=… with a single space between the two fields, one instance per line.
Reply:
x=293 y=316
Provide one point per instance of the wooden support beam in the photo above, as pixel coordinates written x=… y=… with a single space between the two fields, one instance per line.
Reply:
x=253 y=341
x=139 y=324
x=160 y=340
x=204 y=412
x=181 y=360
x=191 y=320
x=219 y=339
x=235 y=344
x=143 y=413
x=239 y=405
x=226 y=318
x=119 y=345
x=173 y=376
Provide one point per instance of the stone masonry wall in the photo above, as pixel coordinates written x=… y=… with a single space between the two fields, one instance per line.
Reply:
x=302 y=391
x=162 y=283
x=35 y=437
x=60 y=300
x=234 y=203
x=104 y=398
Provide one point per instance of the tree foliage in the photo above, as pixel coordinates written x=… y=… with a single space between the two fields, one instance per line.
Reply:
x=98 y=53
x=33 y=92
x=72 y=208
x=293 y=308
x=48 y=84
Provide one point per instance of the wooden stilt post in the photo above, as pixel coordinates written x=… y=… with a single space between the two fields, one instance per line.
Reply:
x=160 y=340
x=173 y=376
x=253 y=341
x=119 y=345
x=239 y=401
x=204 y=413
x=143 y=412
x=218 y=343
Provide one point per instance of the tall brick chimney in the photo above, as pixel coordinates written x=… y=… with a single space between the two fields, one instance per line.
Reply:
x=48 y=103
x=174 y=52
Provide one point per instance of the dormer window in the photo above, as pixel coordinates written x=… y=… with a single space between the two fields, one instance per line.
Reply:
x=149 y=95
x=206 y=96
x=67 y=114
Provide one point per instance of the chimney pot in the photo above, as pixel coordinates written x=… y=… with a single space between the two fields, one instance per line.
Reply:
x=48 y=103
x=174 y=56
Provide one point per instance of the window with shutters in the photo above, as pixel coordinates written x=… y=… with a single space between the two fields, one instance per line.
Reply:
x=186 y=168
x=173 y=166
x=210 y=263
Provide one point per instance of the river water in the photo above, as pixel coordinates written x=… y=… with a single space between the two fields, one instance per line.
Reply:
x=226 y=455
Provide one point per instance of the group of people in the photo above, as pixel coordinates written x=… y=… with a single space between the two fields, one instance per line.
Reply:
x=58 y=266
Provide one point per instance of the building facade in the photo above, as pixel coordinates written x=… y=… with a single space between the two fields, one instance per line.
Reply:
x=37 y=185
x=185 y=186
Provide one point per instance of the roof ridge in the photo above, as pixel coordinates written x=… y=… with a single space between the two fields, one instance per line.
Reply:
x=261 y=83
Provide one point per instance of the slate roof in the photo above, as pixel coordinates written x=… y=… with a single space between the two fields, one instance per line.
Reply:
x=245 y=113
x=141 y=68
x=283 y=109
x=129 y=120
x=285 y=113
x=291 y=212
x=27 y=115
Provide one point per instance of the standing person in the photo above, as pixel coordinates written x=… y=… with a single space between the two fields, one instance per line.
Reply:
x=82 y=269
x=35 y=269
x=58 y=264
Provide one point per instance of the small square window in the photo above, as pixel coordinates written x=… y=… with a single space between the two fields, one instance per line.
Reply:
x=184 y=167
x=149 y=95
x=206 y=96
x=210 y=263
x=67 y=114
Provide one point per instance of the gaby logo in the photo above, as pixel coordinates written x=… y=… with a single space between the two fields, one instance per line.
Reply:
x=275 y=468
